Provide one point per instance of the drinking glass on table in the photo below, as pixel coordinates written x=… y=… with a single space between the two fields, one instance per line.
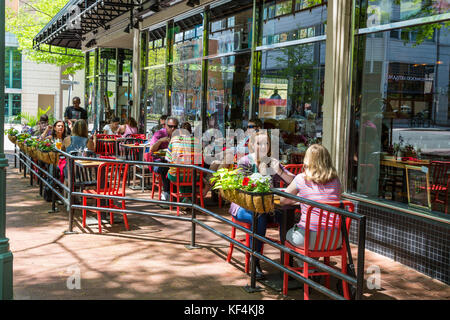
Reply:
x=58 y=144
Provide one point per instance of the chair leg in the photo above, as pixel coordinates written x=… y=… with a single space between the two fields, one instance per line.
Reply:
x=99 y=218
x=178 y=200
x=285 y=275
x=327 y=277
x=305 y=286
x=344 y=283
x=84 y=212
x=230 y=250
x=125 y=218
x=247 y=255
x=171 y=197
x=153 y=184
x=111 y=214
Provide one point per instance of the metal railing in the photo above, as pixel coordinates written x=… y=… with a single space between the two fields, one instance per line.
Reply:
x=26 y=162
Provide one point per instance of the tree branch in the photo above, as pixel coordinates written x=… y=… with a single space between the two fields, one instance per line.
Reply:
x=35 y=9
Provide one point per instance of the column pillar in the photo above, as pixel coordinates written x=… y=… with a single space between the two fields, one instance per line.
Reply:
x=6 y=257
x=337 y=83
x=135 y=112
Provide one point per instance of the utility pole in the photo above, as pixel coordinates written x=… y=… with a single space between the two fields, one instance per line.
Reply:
x=6 y=258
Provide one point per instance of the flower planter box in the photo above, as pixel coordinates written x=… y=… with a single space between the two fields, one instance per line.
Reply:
x=13 y=139
x=49 y=157
x=252 y=201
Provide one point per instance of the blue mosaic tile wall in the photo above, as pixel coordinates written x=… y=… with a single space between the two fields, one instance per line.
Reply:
x=414 y=242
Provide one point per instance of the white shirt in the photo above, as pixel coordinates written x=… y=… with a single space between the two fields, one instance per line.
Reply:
x=108 y=130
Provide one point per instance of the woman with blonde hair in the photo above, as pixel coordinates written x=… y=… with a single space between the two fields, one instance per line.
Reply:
x=318 y=182
x=259 y=160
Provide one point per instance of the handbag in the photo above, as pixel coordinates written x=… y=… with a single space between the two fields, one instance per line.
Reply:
x=350 y=266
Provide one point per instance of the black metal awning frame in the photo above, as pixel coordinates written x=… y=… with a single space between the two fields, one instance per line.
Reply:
x=79 y=17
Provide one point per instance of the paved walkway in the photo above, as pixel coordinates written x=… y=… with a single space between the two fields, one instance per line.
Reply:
x=150 y=261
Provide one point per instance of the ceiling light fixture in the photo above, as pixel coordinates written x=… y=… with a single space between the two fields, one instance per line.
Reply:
x=193 y=3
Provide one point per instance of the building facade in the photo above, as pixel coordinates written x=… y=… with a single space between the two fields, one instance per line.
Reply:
x=369 y=79
x=29 y=85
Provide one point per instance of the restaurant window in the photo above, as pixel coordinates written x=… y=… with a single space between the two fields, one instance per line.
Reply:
x=228 y=95
x=156 y=75
x=13 y=68
x=124 y=85
x=282 y=22
x=401 y=115
x=381 y=12
x=108 y=68
x=13 y=106
x=187 y=69
x=291 y=78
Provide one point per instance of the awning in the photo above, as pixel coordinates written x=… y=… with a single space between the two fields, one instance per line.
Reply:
x=79 y=17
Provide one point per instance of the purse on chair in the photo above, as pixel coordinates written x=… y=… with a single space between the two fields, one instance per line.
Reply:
x=350 y=266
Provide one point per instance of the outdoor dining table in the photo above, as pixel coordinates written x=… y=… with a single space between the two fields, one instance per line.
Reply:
x=275 y=280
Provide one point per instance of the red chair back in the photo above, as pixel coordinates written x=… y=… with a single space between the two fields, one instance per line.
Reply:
x=112 y=178
x=184 y=175
x=329 y=227
x=137 y=136
x=294 y=169
x=439 y=174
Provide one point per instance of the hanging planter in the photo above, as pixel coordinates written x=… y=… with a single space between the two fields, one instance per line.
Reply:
x=251 y=193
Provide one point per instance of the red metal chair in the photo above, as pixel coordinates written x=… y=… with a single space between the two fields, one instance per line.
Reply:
x=184 y=179
x=327 y=249
x=245 y=241
x=111 y=180
x=105 y=148
x=440 y=182
x=294 y=169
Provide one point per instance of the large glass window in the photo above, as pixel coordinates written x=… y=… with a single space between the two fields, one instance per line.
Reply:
x=283 y=21
x=228 y=96
x=402 y=115
x=13 y=68
x=187 y=69
x=13 y=106
x=381 y=12
x=291 y=78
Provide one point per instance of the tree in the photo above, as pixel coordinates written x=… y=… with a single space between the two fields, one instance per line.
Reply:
x=31 y=17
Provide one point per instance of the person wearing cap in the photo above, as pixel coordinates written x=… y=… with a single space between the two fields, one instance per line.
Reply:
x=42 y=129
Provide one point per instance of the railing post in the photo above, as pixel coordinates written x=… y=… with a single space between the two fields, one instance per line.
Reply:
x=361 y=253
x=70 y=162
x=6 y=257
x=54 y=209
x=253 y=288
x=193 y=213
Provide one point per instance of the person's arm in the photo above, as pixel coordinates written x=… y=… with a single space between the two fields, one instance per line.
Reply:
x=292 y=189
x=44 y=134
x=92 y=141
x=156 y=146
x=66 y=143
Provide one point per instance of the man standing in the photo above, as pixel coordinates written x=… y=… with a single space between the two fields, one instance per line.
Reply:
x=160 y=140
x=75 y=112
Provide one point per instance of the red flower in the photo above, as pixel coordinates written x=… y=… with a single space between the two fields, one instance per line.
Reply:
x=245 y=181
x=253 y=185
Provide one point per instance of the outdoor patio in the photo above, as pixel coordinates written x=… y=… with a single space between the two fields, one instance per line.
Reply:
x=150 y=261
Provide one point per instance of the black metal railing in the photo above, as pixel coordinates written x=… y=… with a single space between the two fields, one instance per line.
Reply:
x=26 y=162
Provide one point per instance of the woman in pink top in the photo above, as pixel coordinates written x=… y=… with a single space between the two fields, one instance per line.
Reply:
x=318 y=182
x=130 y=127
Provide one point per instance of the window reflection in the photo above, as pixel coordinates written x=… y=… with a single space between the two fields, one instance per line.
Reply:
x=291 y=90
x=186 y=91
x=402 y=116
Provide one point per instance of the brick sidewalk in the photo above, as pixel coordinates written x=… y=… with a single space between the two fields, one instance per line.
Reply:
x=150 y=261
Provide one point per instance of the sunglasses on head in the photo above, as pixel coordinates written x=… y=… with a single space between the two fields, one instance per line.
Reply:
x=250 y=126
x=172 y=126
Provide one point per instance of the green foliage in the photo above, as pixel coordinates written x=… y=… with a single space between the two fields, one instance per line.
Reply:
x=45 y=145
x=23 y=136
x=31 y=120
x=227 y=179
x=11 y=132
x=31 y=18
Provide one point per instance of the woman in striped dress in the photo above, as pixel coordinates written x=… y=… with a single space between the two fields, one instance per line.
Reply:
x=318 y=182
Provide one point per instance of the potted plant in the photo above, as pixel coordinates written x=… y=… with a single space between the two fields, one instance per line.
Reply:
x=46 y=152
x=250 y=192
x=21 y=137
x=12 y=134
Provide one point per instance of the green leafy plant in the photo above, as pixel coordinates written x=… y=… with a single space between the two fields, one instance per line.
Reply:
x=31 y=120
x=45 y=145
x=31 y=142
x=23 y=136
x=227 y=179
x=12 y=132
